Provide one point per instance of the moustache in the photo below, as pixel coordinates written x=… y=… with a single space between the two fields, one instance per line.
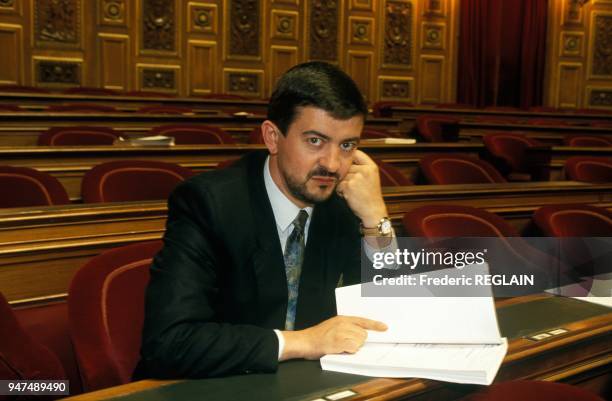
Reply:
x=322 y=172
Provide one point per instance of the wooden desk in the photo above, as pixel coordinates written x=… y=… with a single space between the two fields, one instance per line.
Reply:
x=581 y=356
x=41 y=248
x=68 y=164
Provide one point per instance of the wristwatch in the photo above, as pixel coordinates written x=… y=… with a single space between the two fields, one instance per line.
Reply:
x=383 y=229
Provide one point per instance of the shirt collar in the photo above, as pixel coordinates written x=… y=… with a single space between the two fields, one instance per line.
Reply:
x=285 y=211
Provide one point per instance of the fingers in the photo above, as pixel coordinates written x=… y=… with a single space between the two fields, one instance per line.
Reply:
x=359 y=157
x=368 y=324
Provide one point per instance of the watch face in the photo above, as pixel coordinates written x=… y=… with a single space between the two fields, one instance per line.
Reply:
x=385 y=226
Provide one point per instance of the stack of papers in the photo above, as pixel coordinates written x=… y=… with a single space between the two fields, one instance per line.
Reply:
x=453 y=339
x=157 y=140
x=390 y=141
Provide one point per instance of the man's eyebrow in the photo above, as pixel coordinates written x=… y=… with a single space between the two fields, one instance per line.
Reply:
x=322 y=135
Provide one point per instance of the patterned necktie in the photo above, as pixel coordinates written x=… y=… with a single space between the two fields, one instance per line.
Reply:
x=294 y=256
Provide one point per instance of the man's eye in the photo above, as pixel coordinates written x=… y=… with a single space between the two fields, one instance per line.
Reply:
x=348 y=146
x=314 y=141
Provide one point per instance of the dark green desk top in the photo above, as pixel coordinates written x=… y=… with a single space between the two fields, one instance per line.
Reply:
x=304 y=380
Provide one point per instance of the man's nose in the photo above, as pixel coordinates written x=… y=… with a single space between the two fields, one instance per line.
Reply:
x=331 y=160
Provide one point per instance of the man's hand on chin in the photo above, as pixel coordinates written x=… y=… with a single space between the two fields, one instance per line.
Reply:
x=333 y=336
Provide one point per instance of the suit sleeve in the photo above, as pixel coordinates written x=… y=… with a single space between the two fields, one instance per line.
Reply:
x=182 y=335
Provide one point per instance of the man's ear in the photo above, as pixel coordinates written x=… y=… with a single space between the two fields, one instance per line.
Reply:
x=270 y=134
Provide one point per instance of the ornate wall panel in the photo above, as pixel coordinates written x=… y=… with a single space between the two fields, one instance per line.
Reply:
x=114 y=61
x=243 y=82
x=11 y=54
x=356 y=5
x=435 y=7
x=291 y=2
x=572 y=44
x=61 y=72
x=154 y=77
x=323 y=29
x=361 y=31
x=432 y=36
x=158 y=30
x=570 y=78
x=396 y=88
x=112 y=13
x=201 y=67
x=281 y=59
x=397 y=45
x=243 y=27
x=57 y=23
x=572 y=13
x=202 y=18
x=432 y=79
x=601 y=62
x=599 y=97
x=285 y=25
x=360 y=67
x=10 y=7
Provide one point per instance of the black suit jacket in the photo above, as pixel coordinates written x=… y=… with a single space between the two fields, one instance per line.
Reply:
x=218 y=286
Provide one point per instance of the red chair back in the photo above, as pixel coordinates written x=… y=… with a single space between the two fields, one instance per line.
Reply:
x=78 y=136
x=132 y=180
x=391 y=176
x=106 y=313
x=368 y=133
x=458 y=169
x=194 y=134
x=164 y=110
x=81 y=108
x=589 y=169
x=383 y=109
x=574 y=220
x=29 y=187
x=587 y=140
x=438 y=129
x=511 y=149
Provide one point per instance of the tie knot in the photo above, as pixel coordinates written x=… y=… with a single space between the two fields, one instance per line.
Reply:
x=300 y=220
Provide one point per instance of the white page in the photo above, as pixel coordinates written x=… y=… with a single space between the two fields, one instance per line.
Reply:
x=477 y=364
x=390 y=141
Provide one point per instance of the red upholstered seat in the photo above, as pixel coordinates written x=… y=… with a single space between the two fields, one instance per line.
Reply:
x=21 y=357
x=391 y=176
x=148 y=94
x=10 y=107
x=509 y=151
x=81 y=108
x=458 y=169
x=589 y=169
x=78 y=136
x=383 y=109
x=455 y=221
x=132 y=180
x=194 y=134
x=437 y=128
x=256 y=137
x=532 y=391
x=106 y=313
x=85 y=90
x=368 y=133
x=164 y=110
x=29 y=187
x=587 y=140
x=22 y=89
x=574 y=220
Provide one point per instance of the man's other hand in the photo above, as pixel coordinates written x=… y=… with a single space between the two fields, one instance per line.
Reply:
x=333 y=336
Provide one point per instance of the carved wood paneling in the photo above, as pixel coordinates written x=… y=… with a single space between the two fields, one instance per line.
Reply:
x=114 y=61
x=600 y=97
x=244 y=28
x=203 y=18
x=434 y=6
x=158 y=26
x=397 y=49
x=432 y=36
x=112 y=12
x=10 y=7
x=57 y=22
x=361 y=31
x=570 y=77
x=360 y=67
x=243 y=82
x=395 y=88
x=323 y=29
x=201 y=67
x=432 y=79
x=51 y=72
x=572 y=12
x=602 y=46
x=572 y=44
x=281 y=59
x=355 y=5
x=285 y=25
x=158 y=78
x=11 y=54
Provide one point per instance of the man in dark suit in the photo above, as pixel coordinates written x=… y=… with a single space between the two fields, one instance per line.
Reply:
x=253 y=252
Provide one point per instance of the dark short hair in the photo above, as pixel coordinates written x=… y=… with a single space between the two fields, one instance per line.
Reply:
x=318 y=84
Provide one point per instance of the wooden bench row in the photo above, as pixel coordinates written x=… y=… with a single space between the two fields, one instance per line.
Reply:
x=41 y=248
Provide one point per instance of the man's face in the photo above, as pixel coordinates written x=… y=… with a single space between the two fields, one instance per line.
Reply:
x=315 y=154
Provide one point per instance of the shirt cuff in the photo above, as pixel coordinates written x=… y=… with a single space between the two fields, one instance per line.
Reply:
x=281 y=343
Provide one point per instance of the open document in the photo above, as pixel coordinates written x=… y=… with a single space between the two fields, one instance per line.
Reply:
x=452 y=339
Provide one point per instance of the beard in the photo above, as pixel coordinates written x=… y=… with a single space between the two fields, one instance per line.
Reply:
x=299 y=189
